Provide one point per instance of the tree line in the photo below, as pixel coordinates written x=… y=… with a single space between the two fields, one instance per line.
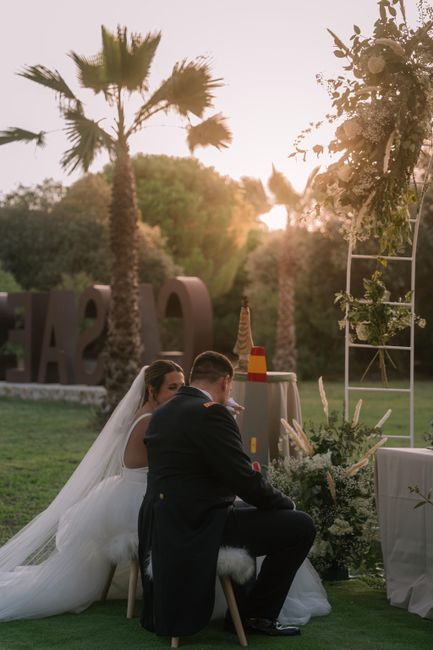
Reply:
x=197 y=222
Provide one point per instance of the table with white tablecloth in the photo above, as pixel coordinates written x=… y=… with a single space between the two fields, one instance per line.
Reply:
x=280 y=398
x=406 y=532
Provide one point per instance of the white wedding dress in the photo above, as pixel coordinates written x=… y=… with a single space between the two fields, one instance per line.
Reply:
x=94 y=534
x=306 y=598
x=61 y=561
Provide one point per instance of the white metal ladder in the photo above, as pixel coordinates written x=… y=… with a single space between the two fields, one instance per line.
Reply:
x=411 y=305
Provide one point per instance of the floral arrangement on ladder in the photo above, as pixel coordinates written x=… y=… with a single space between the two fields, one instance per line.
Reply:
x=382 y=105
x=331 y=478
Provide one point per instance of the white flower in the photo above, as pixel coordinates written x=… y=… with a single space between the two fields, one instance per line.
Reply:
x=340 y=527
x=376 y=64
x=362 y=330
x=319 y=461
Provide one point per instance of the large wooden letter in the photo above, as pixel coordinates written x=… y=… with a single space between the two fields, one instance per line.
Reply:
x=59 y=343
x=7 y=322
x=29 y=336
x=89 y=364
x=189 y=298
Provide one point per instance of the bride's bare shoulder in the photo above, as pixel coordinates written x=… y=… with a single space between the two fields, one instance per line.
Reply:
x=143 y=410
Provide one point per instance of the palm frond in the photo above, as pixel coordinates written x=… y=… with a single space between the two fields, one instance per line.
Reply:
x=255 y=194
x=87 y=139
x=282 y=189
x=136 y=59
x=48 y=78
x=110 y=54
x=90 y=72
x=15 y=134
x=187 y=90
x=213 y=131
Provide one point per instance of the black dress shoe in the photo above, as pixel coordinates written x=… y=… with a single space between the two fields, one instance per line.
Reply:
x=270 y=628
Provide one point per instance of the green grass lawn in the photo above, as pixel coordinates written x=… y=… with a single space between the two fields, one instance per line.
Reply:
x=40 y=445
x=374 y=406
x=361 y=619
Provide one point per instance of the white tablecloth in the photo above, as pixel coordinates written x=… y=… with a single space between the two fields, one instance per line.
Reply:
x=283 y=401
x=406 y=533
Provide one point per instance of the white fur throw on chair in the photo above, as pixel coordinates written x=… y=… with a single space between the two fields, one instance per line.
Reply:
x=236 y=563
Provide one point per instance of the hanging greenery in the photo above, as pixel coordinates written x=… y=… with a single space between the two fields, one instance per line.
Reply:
x=384 y=106
x=374 y=321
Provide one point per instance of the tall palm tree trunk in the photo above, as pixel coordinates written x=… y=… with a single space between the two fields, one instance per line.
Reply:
x=123 y=342
x=285 y=349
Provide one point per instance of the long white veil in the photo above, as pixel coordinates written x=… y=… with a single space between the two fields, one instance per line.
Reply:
x=36 y=541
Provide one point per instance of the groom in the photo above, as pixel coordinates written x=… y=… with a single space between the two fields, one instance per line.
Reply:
x=196 y=468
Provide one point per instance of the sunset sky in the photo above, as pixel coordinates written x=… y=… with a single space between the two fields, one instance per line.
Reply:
x=268 y=53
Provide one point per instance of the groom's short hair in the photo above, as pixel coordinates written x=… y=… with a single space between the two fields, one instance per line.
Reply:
x=210 y=366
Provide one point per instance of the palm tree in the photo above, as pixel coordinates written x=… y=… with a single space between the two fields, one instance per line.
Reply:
x=121 y=68
x=295 y=204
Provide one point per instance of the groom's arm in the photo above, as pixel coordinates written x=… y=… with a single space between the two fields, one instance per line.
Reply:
x=220 y=444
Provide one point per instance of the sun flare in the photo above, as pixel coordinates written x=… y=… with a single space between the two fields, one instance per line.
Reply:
x=276 y=218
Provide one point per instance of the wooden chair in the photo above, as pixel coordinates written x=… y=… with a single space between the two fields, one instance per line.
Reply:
x=132 y=586
x=233 y=564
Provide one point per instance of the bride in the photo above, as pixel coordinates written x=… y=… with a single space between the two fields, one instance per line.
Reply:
x=62 y=560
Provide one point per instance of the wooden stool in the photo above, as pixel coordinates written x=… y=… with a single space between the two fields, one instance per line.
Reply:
x=233 y=564
x=132 y=586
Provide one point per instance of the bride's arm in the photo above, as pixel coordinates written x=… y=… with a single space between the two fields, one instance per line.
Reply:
x=135 y=452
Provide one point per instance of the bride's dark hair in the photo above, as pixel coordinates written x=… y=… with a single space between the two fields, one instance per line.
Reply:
x=155 y=373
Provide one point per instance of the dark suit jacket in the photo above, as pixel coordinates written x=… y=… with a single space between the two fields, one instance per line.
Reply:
x=196 y=468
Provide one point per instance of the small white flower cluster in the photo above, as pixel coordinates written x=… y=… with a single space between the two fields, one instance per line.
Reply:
x=340 y=527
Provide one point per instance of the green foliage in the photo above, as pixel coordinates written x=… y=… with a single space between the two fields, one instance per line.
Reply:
x=319 y=344
x=204 y=217
x=8 y=284
x=386 y=101
x=40 y=248
x=76 y=282
x=424 y=498
x=40 y=197
x=373 y=320
x=333 y=481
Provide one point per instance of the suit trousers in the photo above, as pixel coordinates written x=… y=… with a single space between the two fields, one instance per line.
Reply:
x=284 y=537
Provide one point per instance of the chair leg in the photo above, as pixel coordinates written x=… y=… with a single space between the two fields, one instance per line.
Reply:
x=108 y=583
x=227 y=586
x=174 y=641
x=132 y=588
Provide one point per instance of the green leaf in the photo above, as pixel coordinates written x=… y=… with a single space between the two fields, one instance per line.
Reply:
x=356 y=29
x=339 y=54
x=419 y=504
